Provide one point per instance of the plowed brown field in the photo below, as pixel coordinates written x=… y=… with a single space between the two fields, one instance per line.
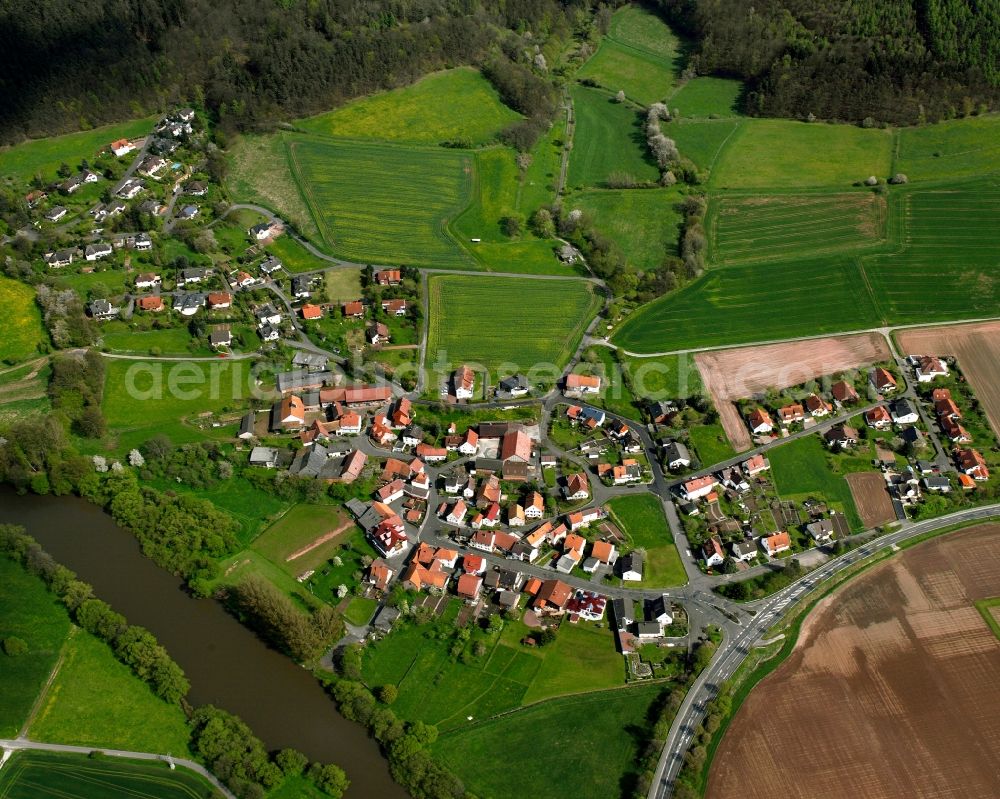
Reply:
x=871 y=498
x=977 y=348
x=733 y=374
x=891 y=692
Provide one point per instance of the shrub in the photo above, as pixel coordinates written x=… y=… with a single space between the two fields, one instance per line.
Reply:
x=14 y=646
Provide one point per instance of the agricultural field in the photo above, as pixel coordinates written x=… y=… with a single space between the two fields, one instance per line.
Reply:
x=29 y=612
x=738 y=304
x=644 y=223
x=707 y=97
x=800 y=471
x=609 y=139
x=305 y=537
x=51 y=775
x=23 y=330
x=440 y=689
x=563 y=768
x=97 y=701
x=458 y=104
x=913 y=623
x=259 y=174
x=946 y=267
x=471 y=319
x=384 y=203
x=871 y=498
x=948 y=150
x=778 y=153
x=641 y=518
x=773 y=227
x=703 y=141
x=43 y=156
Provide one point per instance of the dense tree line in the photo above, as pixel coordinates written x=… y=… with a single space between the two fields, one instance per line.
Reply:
x=76 y=63
x=64 y=317
x=134 y=646
x=899 y=61
x=76 y=388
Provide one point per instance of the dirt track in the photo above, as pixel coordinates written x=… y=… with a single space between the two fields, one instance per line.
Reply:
x=977 y=348
x=318 y=542
x=890 y=692
x=871 y=498
x=737 y=373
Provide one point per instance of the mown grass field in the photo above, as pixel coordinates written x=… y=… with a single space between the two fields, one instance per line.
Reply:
x=43 y=156
x=23 y=330
x=496 y=194
x=609 y=138
x=800 y=471
x=169 y=341
x=777 y=153
x=342 y=285
x=560 y=739
x=445 y=106
x=664 y=377
x=299 y=527
x=293 y=256
x=259 y=173
x=384 y=203
x=707 y=97
x=751 y=302
x=29 y=612
x=773 y=227
x=643 y=522
x=538 y=186
x=491 y=321
x=703 y=141
x=51 y=775
x=710 y=443
x=947 y=266
x=97 y=701
x=959 y=148
x=439 y=689
x=644 y=223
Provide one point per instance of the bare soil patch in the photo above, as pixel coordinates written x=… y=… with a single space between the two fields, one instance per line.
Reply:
x=890 y=691
x=871 y=498
x=741 y=372
x=319 y=541
x=977 y=349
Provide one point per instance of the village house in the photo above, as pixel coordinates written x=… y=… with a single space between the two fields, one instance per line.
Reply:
x=402 y=414
x=267 y=457
x=743 y=550
x=483 y=540
x=754 y=465
x=937 y=483
x=879 y=418
x=583 y=518
x=513 y=386
x=394 y=307
x=586 y=605
x=817 y=406
x=102 y=310
x=630 y=567
x=59 y=258
x=289 y=413
x=972 y=463
x=377 y=333
x=791 y=414
x=775 y=544
x=457 y=513
x=903 y=412
x=535 y=506
x=760 y=422
x=311 y=312
x=354 y=309
x=221 y=336
x=264 y=231
x=712 y=552
x=676 y=455
x=843 y=392
x=153 y=303
x=698 y=487
x=954 y=431
x=469 y=586
x=841 y=436
x=551 y=597
x=820 y=530
x=470 y=443
x=55 y=214
x=380 y=574
x=582 y=384
x=882 y=380
x=218 y=300
x=388 y=277
x=147 y=280
x=121 y=147
x=463 y=382
x=95 y=252
x=929 y=368
x=430 y=453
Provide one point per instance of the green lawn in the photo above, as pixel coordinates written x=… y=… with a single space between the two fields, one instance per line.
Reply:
x=293 y=256
x=259 y=173
x=384 y=203
x=538 y=186
x=800 y=471
x=609 y=139
x=97 y=701
x=772 y=227
x=169 y=341
x=342 y=285
x=703 y=141
x=296 y=529
x=29 y=612
x=106 y=283
x=959 y=148
x=360 y=610
x=51 y=775
x=664 y=376
x=580 y=747
x=779 y=153
x=582 y=658
x=43 y=156
x=550 y=317
x=445 y=106
x=711 y=443
x=744 y=303
x=143 y=398
x=644 y=223
x=23 y=330
x=707 y=97
x=642 y=520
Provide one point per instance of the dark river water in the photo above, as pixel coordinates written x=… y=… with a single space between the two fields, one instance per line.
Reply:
x=226 y=664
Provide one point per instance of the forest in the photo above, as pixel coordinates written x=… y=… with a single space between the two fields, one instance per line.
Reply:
x=69 y=64
x=867 y=61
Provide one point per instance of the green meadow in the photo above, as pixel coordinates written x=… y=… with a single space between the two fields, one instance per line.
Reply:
x=958 y=148
x=643 y=222
x=642 y=520
x=781 y=154
x=800 y=471
x=43 y=156
x=491 y=321
x=384 y=203
x=703 y=141
x=293 y=256
x=445 y=106
x=661 y=377
x=23 y=330
x=615 y=66
x=707 y=97
x=609 y=139
x=301 y=526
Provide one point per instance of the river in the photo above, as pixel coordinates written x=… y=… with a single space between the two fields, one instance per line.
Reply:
x=227 y=665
